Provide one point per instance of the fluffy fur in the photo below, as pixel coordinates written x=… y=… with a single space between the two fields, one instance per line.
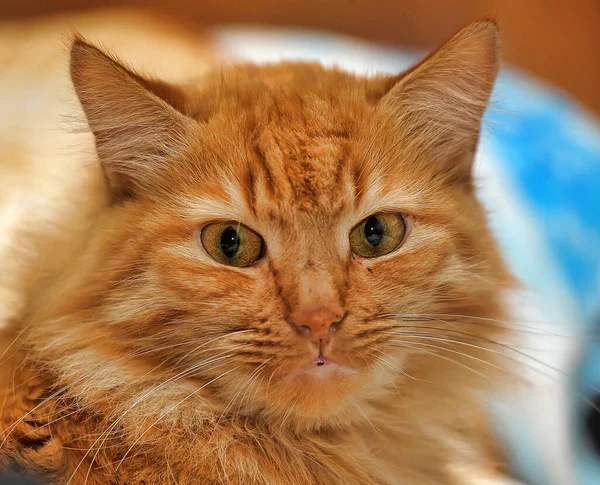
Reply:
x=142 y=360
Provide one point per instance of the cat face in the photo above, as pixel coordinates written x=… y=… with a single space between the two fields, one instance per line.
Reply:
x=284 y=236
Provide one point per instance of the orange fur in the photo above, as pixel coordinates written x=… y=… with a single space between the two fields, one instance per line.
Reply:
x=157 y=364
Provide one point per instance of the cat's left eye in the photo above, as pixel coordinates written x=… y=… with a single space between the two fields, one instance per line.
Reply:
x=232 y=243
x=378 y=235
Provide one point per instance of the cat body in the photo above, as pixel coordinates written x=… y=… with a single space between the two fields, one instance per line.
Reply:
x=346 y=332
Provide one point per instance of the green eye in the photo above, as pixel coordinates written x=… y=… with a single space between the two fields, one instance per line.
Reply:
x=377 y=235
x=232 y=243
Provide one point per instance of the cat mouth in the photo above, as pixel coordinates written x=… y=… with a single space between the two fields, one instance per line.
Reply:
x=323 y=367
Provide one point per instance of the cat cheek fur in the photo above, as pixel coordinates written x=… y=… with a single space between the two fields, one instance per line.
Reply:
x=154 y=340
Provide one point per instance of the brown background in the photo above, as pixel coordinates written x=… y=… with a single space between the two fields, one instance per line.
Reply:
x=554 y=39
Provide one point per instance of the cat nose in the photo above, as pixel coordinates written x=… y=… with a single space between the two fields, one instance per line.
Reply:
x=317 y=324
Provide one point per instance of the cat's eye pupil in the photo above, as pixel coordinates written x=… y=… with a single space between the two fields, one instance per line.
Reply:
x=230 y=242
x=374 y=231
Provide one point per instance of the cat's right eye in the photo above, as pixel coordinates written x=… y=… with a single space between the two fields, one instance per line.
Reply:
x=232 y=243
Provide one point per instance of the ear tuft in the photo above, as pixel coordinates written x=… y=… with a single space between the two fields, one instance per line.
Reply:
x=137 y=130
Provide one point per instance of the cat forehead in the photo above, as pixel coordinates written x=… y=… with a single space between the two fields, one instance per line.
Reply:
x=288 y=144
x=284 y=141
x=289 y=177
x=276 y=174
x=305 y=170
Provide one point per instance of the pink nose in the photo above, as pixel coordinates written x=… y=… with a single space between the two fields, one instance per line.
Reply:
x=316 y=324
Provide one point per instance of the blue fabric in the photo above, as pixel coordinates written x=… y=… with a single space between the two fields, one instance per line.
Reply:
x=551 y=150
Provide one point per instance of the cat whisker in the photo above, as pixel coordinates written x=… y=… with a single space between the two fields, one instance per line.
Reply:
x=416 y=347
x=139 y=400
x=240 y=387
x=364 y=415
x=363 y=358
x=463 y=354
x=195 y=349
x=378 y=362
x=389 y=364
x=387 y=375
x=510 y=348
x=79 y=409
x=63 y=389
x=96 y=401
x=288 y=413
x=108 y=431
x=467 y=344
x=578 y=394
x=172 y=408
x=478 y=347
x=256 y=374
x=87 y=376
x=402 y=337
x=95 y=372
x=504 y=323
x=483 y=339
x=277 y=369
x=15 y=340
x=169 y=470
x=256 y=388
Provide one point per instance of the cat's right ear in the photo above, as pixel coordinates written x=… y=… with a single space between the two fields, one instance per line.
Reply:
x=139 y=124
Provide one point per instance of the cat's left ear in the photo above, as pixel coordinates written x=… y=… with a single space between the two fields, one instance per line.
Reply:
x=139 y=123
x=438 y=105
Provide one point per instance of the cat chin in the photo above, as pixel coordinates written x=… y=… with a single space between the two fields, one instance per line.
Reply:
x=332 y=394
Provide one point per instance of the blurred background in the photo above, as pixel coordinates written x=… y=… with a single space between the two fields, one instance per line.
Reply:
x=553 y=39
x=539 y=161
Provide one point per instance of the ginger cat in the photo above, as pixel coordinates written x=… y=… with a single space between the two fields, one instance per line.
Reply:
x=272 y=275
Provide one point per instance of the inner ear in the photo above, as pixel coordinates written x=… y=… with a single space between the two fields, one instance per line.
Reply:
x=172 y=94
x=139 y=124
